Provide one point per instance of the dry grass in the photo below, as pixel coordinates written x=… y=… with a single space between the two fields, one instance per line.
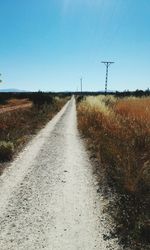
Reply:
x=18 y=126
x=121 y=132
x=118 y=132
x=15 y=102
x=134 y=117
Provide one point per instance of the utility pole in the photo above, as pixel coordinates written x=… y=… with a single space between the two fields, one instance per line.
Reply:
x=107 y=64
x=81 y=82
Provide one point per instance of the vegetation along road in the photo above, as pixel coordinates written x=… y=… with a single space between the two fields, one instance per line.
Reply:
x=48 y=196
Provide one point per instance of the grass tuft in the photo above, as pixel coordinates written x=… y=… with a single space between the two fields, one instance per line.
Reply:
x=6 y=150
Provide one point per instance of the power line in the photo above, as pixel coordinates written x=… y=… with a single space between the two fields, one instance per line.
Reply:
x=107 y=64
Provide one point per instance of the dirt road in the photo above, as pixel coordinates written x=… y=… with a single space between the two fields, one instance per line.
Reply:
x=48 y=197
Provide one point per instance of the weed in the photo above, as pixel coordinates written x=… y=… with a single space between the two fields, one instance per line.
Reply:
x=6 y=150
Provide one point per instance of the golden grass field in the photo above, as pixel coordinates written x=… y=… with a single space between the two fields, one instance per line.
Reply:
x=120 y=130
x=117 y=132
x=14 y=104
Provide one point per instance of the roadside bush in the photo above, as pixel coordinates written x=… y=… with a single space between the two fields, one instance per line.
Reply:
x=79 y=98
x=6 y=150
x=41 y=98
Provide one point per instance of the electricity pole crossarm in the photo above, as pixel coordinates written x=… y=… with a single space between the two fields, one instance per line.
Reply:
x=107 y=64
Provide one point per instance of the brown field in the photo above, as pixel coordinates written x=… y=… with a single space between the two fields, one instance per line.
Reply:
x=17 y=127
x=14 y=104
x=118 y=135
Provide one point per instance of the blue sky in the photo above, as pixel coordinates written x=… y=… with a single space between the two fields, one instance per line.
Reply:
x=50 y=44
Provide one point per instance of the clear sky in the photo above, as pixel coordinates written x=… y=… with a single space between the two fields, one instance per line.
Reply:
x=50 y=44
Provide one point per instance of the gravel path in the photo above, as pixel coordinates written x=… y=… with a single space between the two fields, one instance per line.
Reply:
x=48 y=197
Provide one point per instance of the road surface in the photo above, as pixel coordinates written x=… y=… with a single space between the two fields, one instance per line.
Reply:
x=48 y=197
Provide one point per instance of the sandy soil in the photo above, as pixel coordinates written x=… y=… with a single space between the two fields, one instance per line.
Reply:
x=48 y=196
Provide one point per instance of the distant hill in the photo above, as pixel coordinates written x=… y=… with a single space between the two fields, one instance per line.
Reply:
x=11 y=91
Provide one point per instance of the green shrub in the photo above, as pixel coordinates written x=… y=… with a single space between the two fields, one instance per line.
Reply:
x=6 y=151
